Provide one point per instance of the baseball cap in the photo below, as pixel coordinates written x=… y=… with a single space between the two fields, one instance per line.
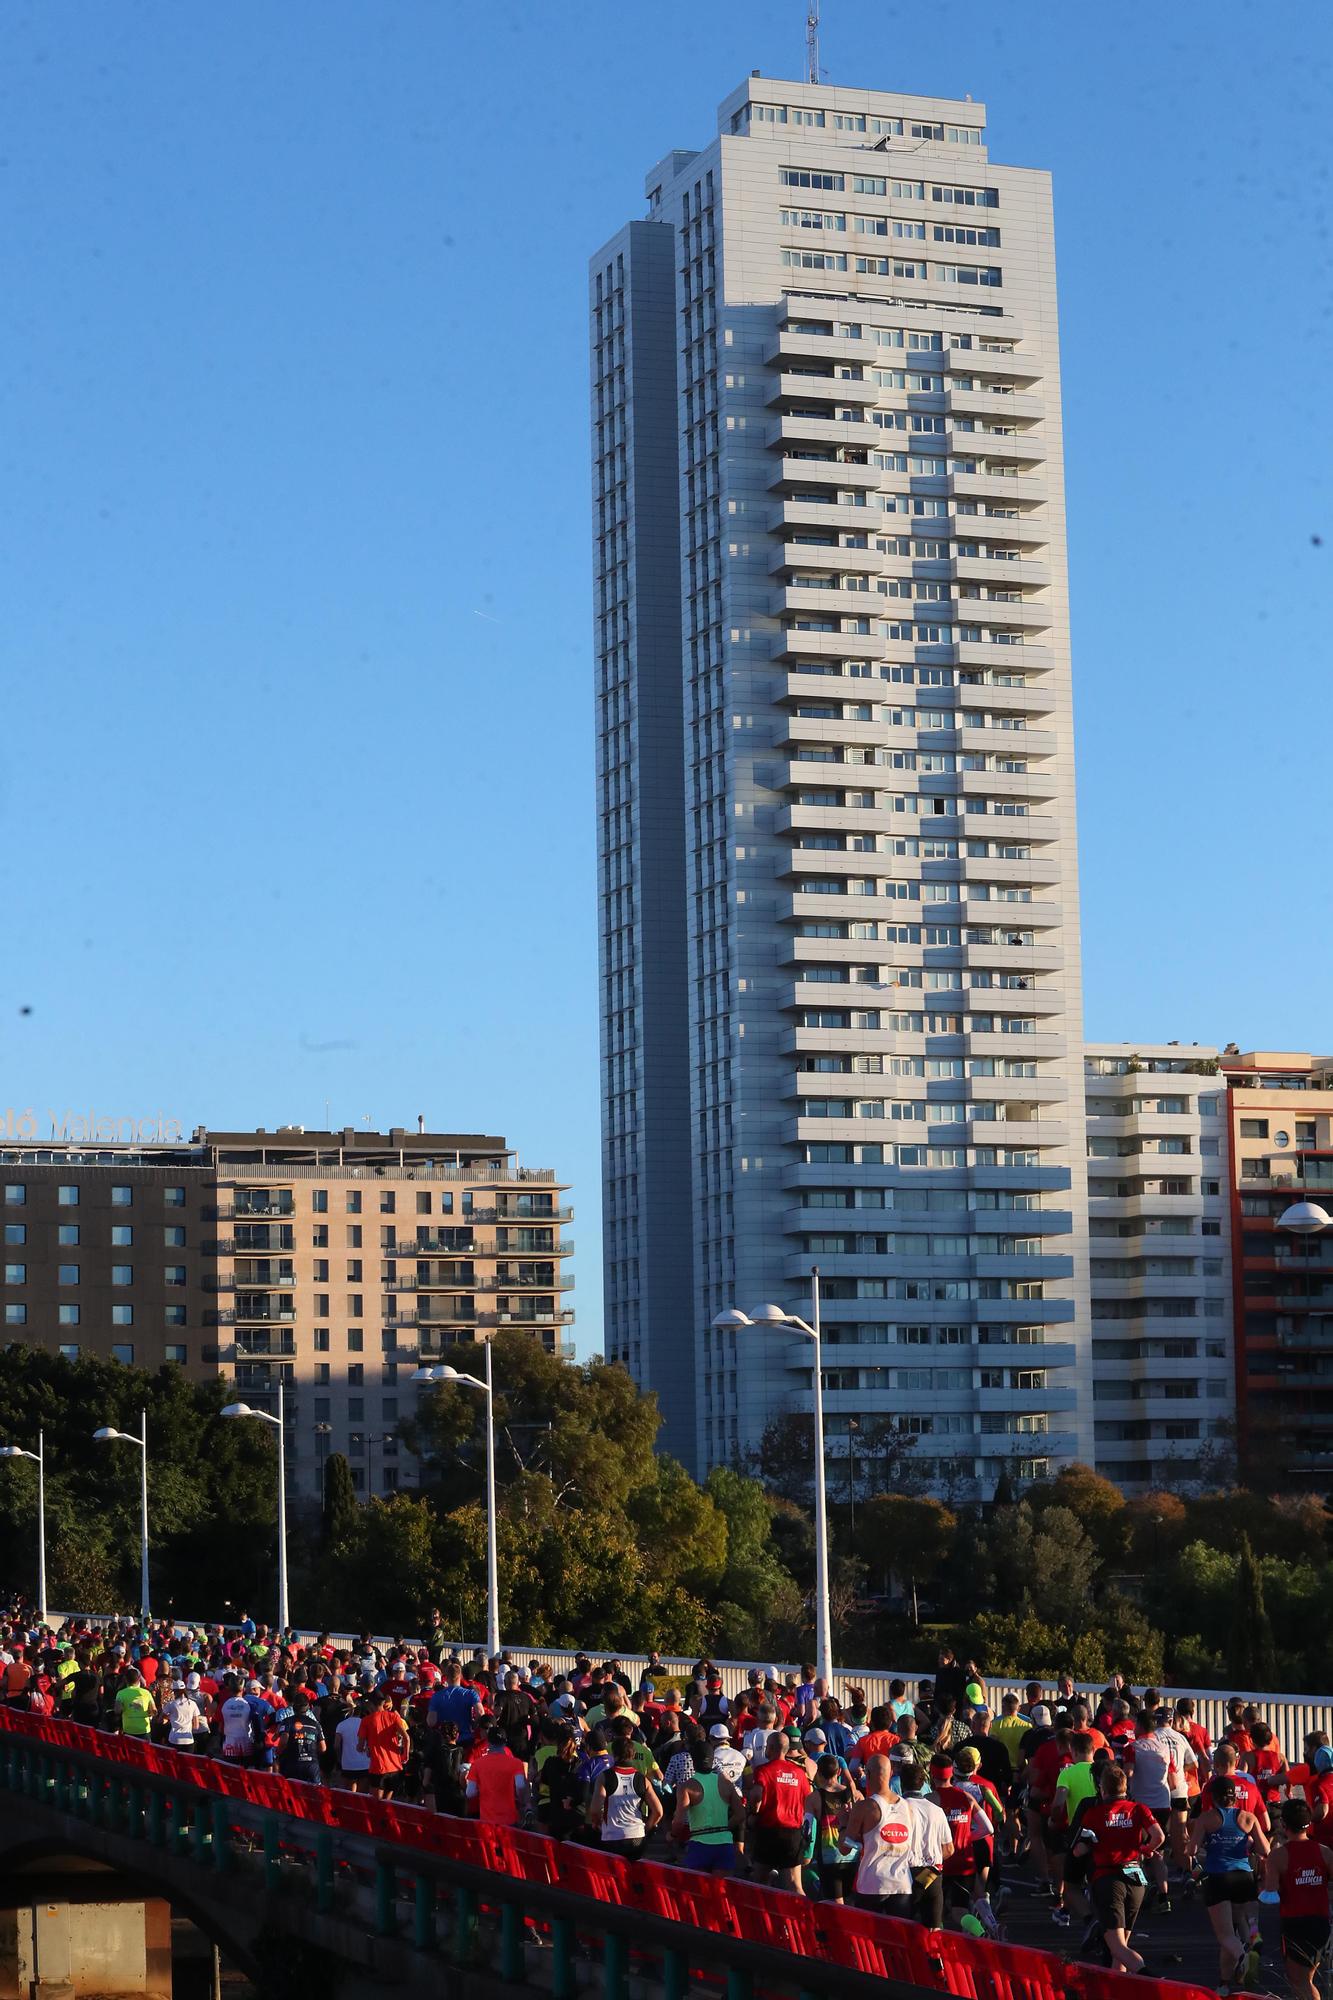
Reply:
x=973 y=1692
x=814 y=1736
x=192 y=1682
x=720 y=1732
x=968 y=1758
x=1041 y=1715
x=755 y=1677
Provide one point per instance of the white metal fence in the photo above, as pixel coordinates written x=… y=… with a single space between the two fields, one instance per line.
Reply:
x=1290 y=1716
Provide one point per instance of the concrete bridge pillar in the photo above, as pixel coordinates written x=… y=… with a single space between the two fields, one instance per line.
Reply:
x=70 y=1930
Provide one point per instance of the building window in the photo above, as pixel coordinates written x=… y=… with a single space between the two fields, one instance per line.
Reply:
x=122 y=1197
x=354 y=1235
x=356 y=1339
x=319 y=1200
x=123 y=1351
x=356 y=1374
x=67 y=1315
x=356 y=1304
x=173 y=1197
x=354 y=1272
x=358 y=1474
x=356 y=1409
x=176 y=1354
x=16 y=1315
x=68 y=1351
x=388 y=1374
x=67 y=1274
x=389 y=1477
x=122 y=1315
x=321 y=1371
x=1254 y=1128
x=67 y=1197
x=354 y=1201
x=67 y=1235
x=16 y=1274
x=423 y=1204
x=174 y=1274
x=16 y=1194
x=122 y=1274
x=321 y=1340
x=175 y=1315
x=388 y=1201
x=16 y=1233
x=122 y=1235
x=173 y=1237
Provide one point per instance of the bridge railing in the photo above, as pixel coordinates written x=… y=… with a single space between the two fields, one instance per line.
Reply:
x=485 y=1894
x=1291 y=1717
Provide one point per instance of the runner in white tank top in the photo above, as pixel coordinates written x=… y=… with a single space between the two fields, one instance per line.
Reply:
x=883 y=1825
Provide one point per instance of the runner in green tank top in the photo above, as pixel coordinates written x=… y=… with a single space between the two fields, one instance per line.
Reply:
x=710 y=1810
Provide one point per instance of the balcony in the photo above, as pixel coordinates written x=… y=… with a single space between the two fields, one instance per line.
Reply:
x=439 y=1245
x=257 y=1312
x=563 y=1318
x=836 y=388
x=522 y=1214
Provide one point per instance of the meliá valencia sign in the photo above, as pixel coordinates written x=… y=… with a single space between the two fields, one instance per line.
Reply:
x=87 y=1128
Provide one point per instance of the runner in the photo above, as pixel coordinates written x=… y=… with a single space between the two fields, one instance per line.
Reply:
x=882 y=1825
x=710 y=1814
x=624 y=1806
x=1118 y=1832
x=777 y=1796
x=1229 y=1840
x=1298 y=1876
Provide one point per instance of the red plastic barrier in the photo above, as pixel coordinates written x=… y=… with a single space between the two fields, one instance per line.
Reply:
x=1094 y=1982
x=777 y=1918
x=983 y=1971
x=682 y=1896
x=885 y=1947
x=586 y=1871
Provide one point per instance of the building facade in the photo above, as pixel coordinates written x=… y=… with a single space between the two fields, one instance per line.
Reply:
x=1280 y=1107
x=837 y=841
x=334 y=1263
x=1159 y=1223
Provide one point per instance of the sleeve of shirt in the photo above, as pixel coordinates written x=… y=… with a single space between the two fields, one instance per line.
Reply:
x=981 y=1824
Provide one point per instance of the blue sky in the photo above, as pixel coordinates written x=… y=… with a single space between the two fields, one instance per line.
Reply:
x=296 y=738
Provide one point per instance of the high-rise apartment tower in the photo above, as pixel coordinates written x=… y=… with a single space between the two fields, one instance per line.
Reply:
x=841 y=1007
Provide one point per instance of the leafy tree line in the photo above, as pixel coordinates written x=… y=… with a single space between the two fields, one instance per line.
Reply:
x=603 y=1540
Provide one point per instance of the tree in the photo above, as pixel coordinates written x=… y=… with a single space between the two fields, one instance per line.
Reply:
x=586 y=1427
x=1098 y=1505
x=1251 y=1658
x=756 y=1595
x=340 y=1502
x=908 y=1536
x=684 y=1528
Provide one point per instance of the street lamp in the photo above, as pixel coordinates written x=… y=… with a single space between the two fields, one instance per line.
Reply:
x=244 y=1410
x=17 y=1451
x=106 y=1436
x=442 y=1372
x=774 y=1316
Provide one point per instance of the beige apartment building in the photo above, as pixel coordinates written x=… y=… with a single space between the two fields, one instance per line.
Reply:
x=334 y=1263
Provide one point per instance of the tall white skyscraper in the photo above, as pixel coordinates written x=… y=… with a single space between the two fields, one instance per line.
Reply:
x=841 y=1008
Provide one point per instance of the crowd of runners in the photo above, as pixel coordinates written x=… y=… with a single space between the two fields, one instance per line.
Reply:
x=930 y=1806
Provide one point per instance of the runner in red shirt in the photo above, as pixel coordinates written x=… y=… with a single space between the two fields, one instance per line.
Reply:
x=1118 y=1833
x=971 y=1831
x=1299 y=1875
x=776 y=1796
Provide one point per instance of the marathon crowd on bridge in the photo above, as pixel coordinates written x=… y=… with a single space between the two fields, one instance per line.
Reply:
x=932 y=1806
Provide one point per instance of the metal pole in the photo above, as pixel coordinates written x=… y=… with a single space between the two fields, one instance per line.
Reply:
x=823 y=1634
x=282 y=1515
x=492 y=1565
x=41 y=1530
x=143 y=1495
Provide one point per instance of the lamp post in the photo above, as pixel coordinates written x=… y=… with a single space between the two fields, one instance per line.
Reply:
x=38 y=1458
x=244 y=1410
x=442 y=1372
x=106 y=1436
x=774 y=1316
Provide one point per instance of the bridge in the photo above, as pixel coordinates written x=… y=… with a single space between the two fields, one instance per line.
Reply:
x=308 y=1890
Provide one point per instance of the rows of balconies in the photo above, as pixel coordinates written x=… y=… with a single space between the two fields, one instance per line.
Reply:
x=796 y=600
x=1034 y=828
x=794 y=1040
x=847 y=732
x=1025 y=530
x=1017 y=1130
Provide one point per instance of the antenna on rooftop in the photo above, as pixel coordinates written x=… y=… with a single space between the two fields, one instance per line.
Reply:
x=812 y=43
